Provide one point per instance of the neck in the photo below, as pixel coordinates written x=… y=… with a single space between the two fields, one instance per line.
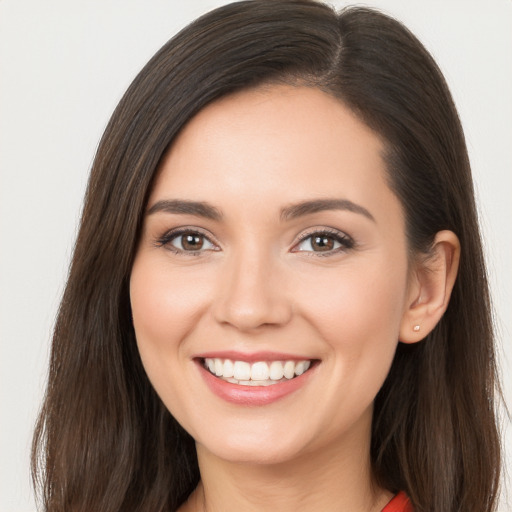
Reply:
x=336 y=479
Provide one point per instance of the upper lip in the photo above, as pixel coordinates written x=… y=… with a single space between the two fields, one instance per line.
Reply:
x=251 y=357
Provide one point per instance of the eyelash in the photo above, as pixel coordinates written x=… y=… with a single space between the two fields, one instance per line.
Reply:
x=345 y=242
x=167 y=238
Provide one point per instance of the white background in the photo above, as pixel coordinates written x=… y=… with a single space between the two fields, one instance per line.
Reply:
x=64 y=65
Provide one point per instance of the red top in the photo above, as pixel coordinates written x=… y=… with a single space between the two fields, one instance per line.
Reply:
x=400 y=503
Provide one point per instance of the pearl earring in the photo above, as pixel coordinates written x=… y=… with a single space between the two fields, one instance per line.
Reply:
x=416 y=328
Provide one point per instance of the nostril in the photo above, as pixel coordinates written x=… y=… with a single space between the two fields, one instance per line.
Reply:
x=248 y=314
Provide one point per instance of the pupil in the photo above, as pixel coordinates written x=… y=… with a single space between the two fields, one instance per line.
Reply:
x=323 y=243
x=192 y=242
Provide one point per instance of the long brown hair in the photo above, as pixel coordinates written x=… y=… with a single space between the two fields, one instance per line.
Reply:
x=104 y=440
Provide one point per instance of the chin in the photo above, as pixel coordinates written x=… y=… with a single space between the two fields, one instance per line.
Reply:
x=246 y=443
x=257 y=453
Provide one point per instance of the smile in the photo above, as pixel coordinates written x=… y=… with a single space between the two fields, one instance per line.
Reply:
x=260 y=373
x=255 y=379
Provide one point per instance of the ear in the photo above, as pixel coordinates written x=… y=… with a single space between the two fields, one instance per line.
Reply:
x=430 y=286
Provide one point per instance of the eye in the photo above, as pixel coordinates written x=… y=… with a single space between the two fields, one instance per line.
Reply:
x=188 y=241
x=324 y=242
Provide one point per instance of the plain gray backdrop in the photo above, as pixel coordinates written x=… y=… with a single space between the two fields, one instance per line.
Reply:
x=64 y=64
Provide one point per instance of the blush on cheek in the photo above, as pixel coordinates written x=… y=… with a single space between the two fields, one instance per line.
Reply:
x=158 y=303
x=354 y=304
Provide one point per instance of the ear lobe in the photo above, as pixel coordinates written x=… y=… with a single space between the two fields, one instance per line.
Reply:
x=430 y=288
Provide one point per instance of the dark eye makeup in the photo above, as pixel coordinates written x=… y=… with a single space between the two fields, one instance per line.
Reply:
x=189 y=241
x=324 y=242
x=317 y=242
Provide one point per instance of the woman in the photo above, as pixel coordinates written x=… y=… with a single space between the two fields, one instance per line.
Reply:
x=265 y=307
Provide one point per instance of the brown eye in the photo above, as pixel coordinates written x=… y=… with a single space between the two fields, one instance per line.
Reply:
x=191 y=242
x=322 y=243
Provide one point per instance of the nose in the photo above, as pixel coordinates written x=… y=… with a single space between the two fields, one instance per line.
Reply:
x=252 y=294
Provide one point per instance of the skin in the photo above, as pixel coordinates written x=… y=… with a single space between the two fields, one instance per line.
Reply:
x=257 y=286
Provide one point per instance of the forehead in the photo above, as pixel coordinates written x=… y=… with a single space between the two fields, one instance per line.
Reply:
x=279 y=143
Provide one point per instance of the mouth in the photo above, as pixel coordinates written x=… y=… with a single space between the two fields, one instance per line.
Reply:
x=259 y=373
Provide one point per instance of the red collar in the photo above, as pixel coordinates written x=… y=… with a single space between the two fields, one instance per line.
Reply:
x=400 y=503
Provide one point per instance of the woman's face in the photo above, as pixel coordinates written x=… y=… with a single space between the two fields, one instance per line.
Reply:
x=271 y=243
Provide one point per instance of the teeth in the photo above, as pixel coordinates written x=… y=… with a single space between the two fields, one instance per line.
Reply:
x=260 y=373
x=229 y=368
x=242 y=370
x=276 y=370
x=289 y=369
x=301 y=367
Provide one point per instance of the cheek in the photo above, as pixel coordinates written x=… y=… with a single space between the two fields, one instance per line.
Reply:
x=358 y=321
x=368 y=300
x=165 y=308
x=163 y=303
x=358 y=317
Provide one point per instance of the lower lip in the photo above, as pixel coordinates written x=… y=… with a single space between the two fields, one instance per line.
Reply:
x=252 y=395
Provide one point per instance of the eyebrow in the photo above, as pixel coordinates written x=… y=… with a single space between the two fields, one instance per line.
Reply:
x=293 y=211
x=319 y=205
x=180 y=206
